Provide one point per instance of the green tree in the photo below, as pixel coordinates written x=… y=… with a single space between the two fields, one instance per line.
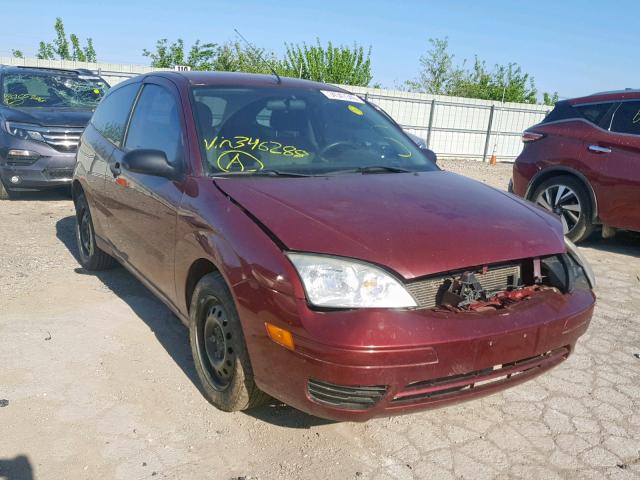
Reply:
x=78 y=53
x=46 y=51
x=66 y=49
x=332 y=64
x=504 y=82
x=229 y=57
x=166 y=55
x=438 y=72
x=550 y=98
x=61 y=43
x=440 y=75
x=236 y=57
x=17 y=53
x=350 y=66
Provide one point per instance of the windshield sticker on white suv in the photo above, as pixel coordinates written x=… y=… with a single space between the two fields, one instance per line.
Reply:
x=346 y=97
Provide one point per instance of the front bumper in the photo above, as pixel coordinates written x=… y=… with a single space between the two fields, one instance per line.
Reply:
x=420 y=359
x=51 y=169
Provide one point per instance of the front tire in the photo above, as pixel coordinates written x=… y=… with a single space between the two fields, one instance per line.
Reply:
x=219 y=349
x=91 y=257
x=568 y=198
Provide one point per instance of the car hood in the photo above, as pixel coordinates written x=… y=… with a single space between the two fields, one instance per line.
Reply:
x=49 y=117
x=415 y=224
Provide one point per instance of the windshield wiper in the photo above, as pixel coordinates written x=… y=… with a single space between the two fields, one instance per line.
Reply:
x=372 y=169
x=268 y=172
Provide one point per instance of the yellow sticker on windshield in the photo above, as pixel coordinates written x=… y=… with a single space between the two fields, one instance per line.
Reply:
x=96 y=91
x=355 y=110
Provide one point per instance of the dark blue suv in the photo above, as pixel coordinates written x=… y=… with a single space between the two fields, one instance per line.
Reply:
x=42 y=115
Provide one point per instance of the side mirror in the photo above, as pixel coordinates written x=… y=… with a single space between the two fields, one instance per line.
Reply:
x=149 y=162
x=430 y=154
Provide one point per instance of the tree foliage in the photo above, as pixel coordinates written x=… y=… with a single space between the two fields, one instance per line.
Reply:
x=332 y=64
x=350 y=66
x=17 y=53
x=64 y=48
x=440 y=75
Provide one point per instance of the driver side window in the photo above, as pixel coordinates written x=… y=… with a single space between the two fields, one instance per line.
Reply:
x=155 y=124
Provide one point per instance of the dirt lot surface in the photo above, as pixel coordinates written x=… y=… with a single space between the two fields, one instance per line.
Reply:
x=96 y=381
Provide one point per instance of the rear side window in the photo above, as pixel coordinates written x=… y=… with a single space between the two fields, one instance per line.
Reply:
x=627 y=118
x=562 y=111
x=110 y=119
x=155 y=123
x=595 y=112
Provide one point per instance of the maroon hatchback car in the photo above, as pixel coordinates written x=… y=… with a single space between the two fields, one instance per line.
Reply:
x=582 y=162
x=316 y=254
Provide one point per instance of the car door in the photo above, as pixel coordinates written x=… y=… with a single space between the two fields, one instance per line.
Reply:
x=104 y=133
x=144 y=217
x=615 y=159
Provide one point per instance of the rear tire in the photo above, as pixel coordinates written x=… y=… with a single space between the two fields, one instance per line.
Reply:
x=567 y=197
x=219 y=349
x=91 y=257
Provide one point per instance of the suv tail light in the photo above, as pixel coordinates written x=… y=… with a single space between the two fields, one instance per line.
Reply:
x=528 y=137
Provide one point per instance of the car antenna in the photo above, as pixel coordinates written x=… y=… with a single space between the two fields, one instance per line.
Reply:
x=257 y=53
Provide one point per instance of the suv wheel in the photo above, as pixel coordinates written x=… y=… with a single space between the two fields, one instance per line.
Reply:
x=219 y=350
x=91 y=257
x=567 y=197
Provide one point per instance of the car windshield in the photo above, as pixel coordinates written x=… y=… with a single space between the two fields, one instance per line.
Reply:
x=52 y=90
x=298 y=131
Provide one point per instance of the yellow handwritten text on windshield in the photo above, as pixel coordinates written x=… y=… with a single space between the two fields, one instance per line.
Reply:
x=17 y=99
x=240 y=142
x=238 y=161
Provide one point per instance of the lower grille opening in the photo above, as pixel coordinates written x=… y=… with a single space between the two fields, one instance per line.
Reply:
x=60 y=173
x=480 y=379
x=343 y=396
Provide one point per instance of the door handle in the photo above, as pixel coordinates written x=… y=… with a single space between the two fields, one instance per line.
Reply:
x=599 y=149
x=115 y=168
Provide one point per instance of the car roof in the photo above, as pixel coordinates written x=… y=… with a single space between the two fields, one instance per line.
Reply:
x=26 y=69
x=610 y=96
x=200 y=78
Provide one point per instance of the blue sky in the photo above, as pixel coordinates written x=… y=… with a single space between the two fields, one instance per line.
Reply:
x=574 y=47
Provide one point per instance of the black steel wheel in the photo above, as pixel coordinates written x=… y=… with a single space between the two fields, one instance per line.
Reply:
x=90 y=255
x=219 y=349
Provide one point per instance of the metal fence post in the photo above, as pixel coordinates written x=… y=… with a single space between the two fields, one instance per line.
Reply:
x=486 y=142
x=431 y=110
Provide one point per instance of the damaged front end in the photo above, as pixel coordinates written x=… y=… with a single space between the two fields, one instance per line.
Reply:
x=498 y=286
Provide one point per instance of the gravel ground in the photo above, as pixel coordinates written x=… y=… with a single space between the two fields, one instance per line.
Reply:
x=96 y=382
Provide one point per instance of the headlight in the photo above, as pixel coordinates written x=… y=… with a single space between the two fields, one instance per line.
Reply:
x=25 y=131
x=339 y=283
x=577 y=257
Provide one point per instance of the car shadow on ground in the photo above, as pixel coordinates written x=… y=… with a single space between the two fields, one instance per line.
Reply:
x=170 y=331
x=17 y=468
x=624 y=243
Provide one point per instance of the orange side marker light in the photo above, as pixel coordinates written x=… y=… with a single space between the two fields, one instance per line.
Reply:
x=280 y=336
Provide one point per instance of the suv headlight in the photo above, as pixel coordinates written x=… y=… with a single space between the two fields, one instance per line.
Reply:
x=577 y=257
x=340 y=283
x=25 y=131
